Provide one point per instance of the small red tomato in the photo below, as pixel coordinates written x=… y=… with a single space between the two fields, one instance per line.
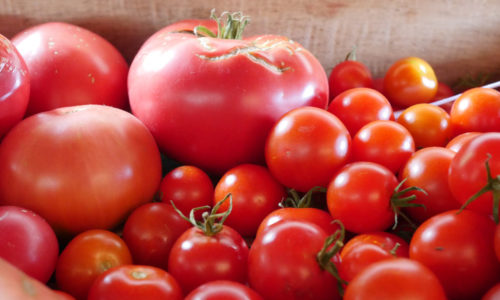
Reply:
x=223 y=290
x=444 y=91
x=347 y=75
x=458 y=141
x=493 y=293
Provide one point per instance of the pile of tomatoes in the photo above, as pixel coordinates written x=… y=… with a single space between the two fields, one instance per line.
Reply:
x=223 y=167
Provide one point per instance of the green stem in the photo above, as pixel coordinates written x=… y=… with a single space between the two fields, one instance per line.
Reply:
x=294 y=200
x=398 y=201
x=229 y=26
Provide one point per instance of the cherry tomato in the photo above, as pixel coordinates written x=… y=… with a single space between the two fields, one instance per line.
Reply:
x=223 y=290
x=444 y=91
x=306 y=147
x=359 y=106
x=133 y=282
x=458 y=248
x=347 y=75
x=493 y=293
x=409 y=81
x=87 y=256
x=399 y=278
x=458 y=141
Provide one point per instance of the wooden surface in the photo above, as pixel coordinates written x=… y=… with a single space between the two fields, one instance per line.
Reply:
x=457 y=37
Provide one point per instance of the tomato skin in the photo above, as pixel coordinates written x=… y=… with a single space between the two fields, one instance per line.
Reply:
x=493 y=293
x=444 y=91
x=255 y=193
x=14 y=86
x=458 y=141
x=397 y=279
x=306 y=147
x=195 y=258
x=28 y=242
x=79 y=167
x=70 y=65
x=294 y=273
x=151 y=231
x=132 y=282
x=223 y=289
x=458 y=248
x=347 y=75
x=409 y=81
x=85 y=257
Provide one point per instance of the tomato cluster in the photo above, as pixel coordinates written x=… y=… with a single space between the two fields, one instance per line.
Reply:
x=224 y=167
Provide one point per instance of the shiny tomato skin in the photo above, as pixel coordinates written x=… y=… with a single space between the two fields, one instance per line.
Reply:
x=28 y=242
x=395 y=279
x=306 y=147
x=223 y=289
x=85 y=257
x=70 y=65
x=347 y=75
x=196 y=258
x=458 y=248
x=150 y=232
x=458 y=141
x=133 y=282
x=79 y=167
x=14 y=86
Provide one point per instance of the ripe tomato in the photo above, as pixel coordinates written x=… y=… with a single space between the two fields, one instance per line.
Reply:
x=359 y=106
x=28 y=242
x=409 y=81
x=458 y=141
x=347 y=75
x=223 y=290
x=384 y=142
x=476 y=109
x=306 y=147
x=458 y=248
x=399 y=278
x=85 y=257
x=493 y=293
x=283 y=265
x=444 y=91
x=150 y=232
x=14 y=86
x=215 y=103
x=133 y=282
x=79 y=167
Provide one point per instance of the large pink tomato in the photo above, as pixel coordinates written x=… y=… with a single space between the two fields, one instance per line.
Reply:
x=211 y=101
x=79 y=167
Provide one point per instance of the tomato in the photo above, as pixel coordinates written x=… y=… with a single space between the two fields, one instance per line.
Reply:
x=384 y=142
x=14 y=86
x=79 y=167
x=428 y=124
x=428 y=169
x=409 y=81
x=132 y=282
x=150 y=232
x=306 y=147
x=444 y=91
x=398 y=278
x=468 y=173
x=365 y=249
x=476 y=110
x=211 y=102
x=458 y=248
x=458 y=141
x=188 y=187
x=28 y=242
x=347 y=75
x=493 y=293
x=255 y=193
x=283 y=264
x=223 y=289
x=87 y=255
x=359 y=106
x=69 y=66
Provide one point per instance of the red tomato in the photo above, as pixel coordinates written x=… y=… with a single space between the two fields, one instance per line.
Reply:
x=133 y=282
x=359 y=106
x=79 y=167
x=493 y=293
x=306 y=147
x=428 y=169
x=28 y=242
x=283 y=265
x=347 y=75
x=215 y=103
x=150 y=232
x=223 y=290
x=458 y=141
x=398 y=278
x=476 y=109
x=444 y=91
x=384 y=142
x=69 y=66
x=458 y=248
x=14 y=86
x=85 y=257
x=255 y=193
x=188 y=187
x=365 y=249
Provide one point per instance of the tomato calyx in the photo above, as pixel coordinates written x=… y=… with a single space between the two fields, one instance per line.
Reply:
x=492 y=185
x=212 y=222
x=229 y=26
x=398 y=200
x=351 y=56
x=294 y=200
